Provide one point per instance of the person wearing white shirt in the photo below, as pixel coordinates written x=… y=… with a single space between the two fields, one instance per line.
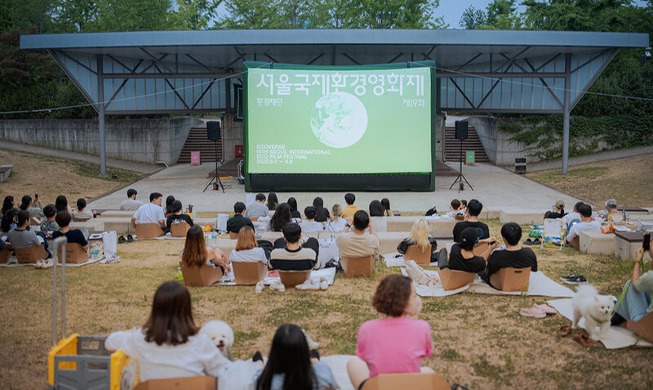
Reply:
x=247 y=249
x=168 y=347
x=151 y=212
x=587 y=224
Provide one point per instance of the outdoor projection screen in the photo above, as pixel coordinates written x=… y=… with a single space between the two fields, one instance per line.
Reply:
x=310 y=128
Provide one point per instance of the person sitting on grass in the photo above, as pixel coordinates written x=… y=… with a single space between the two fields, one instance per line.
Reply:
x=131 y=204
x=396 y=343
x=587 y=224
x=290 y=365
x=638 y=294
x=21 y=237
x=151 y=212
x=558 y=210
x=462 y=257
x=454 y=209
x=273 y=201
x=293 y=257
x=176 y=215
x=351 y=208
x=169 y=344
x=9 y=221
x=32 y=208
x=196 y=253
x=310 y=225
x=238 y=221
x=49 y=224
x=294 y=213
x=82 y=212
x=385 y=202
x=74 y=236
x=359 y=243
x=321 y=212
x=7 y=204
x=258 y=209
x=337 y=222
x=247 y=249
x=473 y=210
x=280 y=218
x=513 y=256
x=168 y=209
x=420 y=236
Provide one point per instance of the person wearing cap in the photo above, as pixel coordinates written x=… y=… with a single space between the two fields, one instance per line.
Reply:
x=558 y=210
x=512 y=256
x=131 y=204
x=462 y=257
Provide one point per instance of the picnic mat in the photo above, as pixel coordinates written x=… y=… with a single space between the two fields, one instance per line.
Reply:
x=538 y=285
x=273 y=276
x=394 y=259
x=12 y=263
x=615 y=337
x=338 y=365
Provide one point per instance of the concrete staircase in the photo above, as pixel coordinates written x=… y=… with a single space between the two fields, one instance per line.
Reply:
x=473 y=143
x=197 y=141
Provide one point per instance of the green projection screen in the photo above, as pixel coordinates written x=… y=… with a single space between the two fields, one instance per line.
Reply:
x=339 y=128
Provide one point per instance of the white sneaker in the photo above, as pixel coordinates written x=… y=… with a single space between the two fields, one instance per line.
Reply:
x=324 y=283
x=278 y=286
x=260 y=286
x=39 y=264
x=309 y=284
x=47 y=263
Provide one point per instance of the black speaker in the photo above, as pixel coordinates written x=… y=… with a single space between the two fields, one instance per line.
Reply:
x=461 y=130
x=213 y=130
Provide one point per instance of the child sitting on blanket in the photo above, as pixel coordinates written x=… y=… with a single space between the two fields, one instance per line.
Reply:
x=395 y=343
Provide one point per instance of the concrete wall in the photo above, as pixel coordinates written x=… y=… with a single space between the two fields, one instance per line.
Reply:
x=498 y=147
x=143 y=140
x=232 y=135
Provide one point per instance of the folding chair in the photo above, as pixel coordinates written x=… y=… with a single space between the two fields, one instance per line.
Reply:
x=453 y=279
x=148 y=230
x=200 y=276
x=292 y=278
x=643 y=327
x=511 y=279
x=30 y=255
x=193 y=382
x=249 y=273
x=412 y=381
x=552 y=234
x=178 y=229
x=357 y=266
x=75 y=254
x=421 y=257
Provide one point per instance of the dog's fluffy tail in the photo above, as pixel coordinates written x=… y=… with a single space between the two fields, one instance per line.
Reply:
x=586 y=290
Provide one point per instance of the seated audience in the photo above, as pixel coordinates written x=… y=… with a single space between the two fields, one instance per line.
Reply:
x=177 y=216
x=586 y=224
x=385 y=202
x=321 y=213
x=273 y=201
x=131 y=204
x=376 y=209
x=293 y=256
x=21 y=237
x=473 y=210
x=294 y=212
x=169 y=345
x=151 y=212
x=280 y=218
x=310 y=225
x=351 y=208
x=33 y=210
x=196 y=253
x=247 y=249
x=290 y=366
x=235 y=223
x=82 y=212
x=462 y=257
x=74 y=236
x=359 y=243
x=396 y=343
x=637 y=299
x=7 y=204
x=61 y=204
x=420 y=236
x=337 y=222
x=558 y=210
x=610 y=209
x=168 y=209
x=573 y=217
x=454 y=209
x=49 y=224
x=512 y=256
x=257 y=209
x=9 y=221
x=377 y=216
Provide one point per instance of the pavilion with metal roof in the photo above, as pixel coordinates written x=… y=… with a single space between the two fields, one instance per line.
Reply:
x=477 y=71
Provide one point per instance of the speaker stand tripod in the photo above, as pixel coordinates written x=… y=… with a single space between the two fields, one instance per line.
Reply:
x=461 y=180
x=215 y=180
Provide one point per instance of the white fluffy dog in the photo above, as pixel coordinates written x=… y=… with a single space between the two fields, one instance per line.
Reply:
x=221 y=334
x=595 y=308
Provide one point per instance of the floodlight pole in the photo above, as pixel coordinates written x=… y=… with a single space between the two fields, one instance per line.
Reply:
x=566 y=115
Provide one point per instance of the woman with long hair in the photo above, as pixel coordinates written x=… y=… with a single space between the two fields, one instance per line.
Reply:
x=337 y=223
x=321 y=213
x=280 y=218
x=169 y=201
x=421 y=237
x=7 y=204
x=196 y=253
x=9 y=220
x=61 y=204
x=273 y=201
x=294 y=212
x=169 y=345
x=247 y=249
x=289 y=365
x=385 y=202
x=395 y=343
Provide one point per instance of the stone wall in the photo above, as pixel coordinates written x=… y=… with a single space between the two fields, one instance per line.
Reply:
x=498 y=147
x=142 y=140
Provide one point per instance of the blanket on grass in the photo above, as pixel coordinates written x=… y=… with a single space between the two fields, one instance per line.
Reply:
x=538 y=285
x=616 y=337
x=13 y=263
x=273 y=276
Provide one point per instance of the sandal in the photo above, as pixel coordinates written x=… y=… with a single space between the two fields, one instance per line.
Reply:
x=130 y=238
x=564 y=330
x=122 y=240
x=528 y=241
x=582 y=339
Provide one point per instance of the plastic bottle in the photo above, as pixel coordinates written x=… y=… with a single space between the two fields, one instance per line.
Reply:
x=180 y=275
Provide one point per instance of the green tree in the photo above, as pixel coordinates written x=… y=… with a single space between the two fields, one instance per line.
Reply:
x=473 y=18
x=129 y=15
x=75 y=16
x=193 y=14
x=250 y=14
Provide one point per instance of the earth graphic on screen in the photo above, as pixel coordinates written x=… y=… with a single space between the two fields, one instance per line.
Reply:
x=339 y=120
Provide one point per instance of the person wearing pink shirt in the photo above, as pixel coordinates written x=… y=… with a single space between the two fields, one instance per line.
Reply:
x=395 y=343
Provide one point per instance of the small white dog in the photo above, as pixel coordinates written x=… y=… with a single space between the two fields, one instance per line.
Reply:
x=595 y=308
x=221 y=334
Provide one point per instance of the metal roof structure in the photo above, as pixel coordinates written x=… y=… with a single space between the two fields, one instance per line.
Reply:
x=476 y=71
